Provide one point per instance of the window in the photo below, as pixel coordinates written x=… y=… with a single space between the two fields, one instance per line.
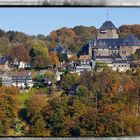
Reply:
x=14 y=77
x=19 y=77
x=123 y=52
x=23 y=77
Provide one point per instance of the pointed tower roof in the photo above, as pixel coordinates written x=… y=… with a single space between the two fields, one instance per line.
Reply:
x=107 y=25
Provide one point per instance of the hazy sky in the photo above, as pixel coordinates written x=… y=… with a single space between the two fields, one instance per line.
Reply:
x=35 y=21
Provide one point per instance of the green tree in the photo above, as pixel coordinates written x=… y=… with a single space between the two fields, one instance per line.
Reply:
x=39 y=54
x=50 y=76
x=1 y=128
x=135 y=56
x=69 y=79
x=82 y=90
x=4 y=46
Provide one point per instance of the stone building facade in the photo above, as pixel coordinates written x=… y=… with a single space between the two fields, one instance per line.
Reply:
x=108 y=43
x=107 y=34
x=109 y=48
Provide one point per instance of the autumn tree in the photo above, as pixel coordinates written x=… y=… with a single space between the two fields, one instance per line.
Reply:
x=37 y=126
x=54 y=58
x=74 y=58
x=42 y=61
x=19 y=53
x=8 y=108
x=35 y=106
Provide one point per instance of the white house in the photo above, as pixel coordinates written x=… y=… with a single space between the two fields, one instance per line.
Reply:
x=18 y=79
x=121 y=66
x=21 y=64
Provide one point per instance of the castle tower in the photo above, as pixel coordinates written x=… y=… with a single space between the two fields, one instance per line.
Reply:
x=107 y=31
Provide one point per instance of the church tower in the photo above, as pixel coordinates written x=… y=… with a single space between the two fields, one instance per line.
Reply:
x=107 y=31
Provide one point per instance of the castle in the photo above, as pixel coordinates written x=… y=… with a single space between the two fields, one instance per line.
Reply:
x=109 y=48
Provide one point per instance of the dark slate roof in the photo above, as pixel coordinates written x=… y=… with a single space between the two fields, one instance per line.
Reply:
x=107 y=25
x=104 y=57
x=120 y=61
x=2 y=62
x=131 y=40
x=73 y=88
x=83 y=50
x=99 y=46
x=111 y=42
x=60 y=49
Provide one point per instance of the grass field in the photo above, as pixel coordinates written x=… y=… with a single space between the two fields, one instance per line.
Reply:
x=23 y=97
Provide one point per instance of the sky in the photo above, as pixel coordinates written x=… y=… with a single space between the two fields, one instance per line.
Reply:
x=33 y=21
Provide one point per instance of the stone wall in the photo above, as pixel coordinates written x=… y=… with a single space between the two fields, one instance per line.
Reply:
x=109 y=34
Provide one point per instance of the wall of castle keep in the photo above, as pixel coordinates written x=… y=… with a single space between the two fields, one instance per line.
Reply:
x=109 y=34
x=101 y=52
x=90 y=52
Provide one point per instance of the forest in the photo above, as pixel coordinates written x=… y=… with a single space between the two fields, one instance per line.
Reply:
x=106 y=103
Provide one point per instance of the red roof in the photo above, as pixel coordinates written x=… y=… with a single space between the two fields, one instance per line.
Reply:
x=84 y=57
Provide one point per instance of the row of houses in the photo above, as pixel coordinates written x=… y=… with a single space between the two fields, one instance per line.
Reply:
x=25 y=79
x=107 y=48
x=20 y=79
x=7 y=65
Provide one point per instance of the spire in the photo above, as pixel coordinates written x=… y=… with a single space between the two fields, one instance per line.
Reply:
x=107 y=14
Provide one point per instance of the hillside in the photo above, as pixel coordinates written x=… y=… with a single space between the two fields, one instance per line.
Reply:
x=72 y=38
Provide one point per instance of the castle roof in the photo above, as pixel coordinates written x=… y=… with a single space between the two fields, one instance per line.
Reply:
x=107 y=25
x=83 y=50
x=114 y=44
x=111 y=42
x=131 y=40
